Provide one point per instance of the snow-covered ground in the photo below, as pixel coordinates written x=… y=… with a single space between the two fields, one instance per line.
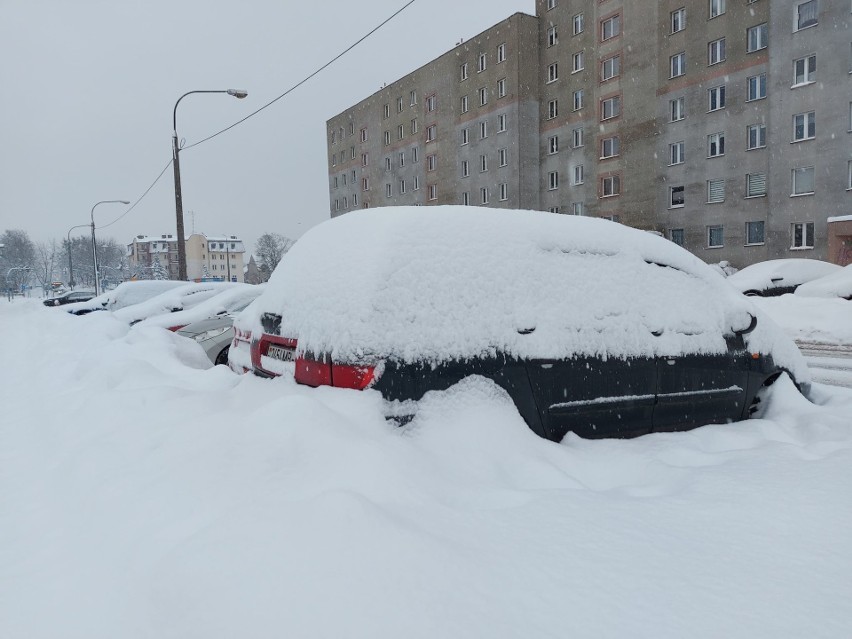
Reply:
x=145 y=494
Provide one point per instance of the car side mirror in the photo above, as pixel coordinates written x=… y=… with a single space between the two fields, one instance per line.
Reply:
x=747 y=329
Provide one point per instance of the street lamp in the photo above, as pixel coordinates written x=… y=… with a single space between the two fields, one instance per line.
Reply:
x=237 y=93
x=94 y=250
x=70 y=264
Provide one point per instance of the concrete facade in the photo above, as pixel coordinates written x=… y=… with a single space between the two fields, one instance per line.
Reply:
x=697 y=136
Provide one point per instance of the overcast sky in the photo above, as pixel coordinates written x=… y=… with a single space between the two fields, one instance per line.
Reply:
x=89 y=87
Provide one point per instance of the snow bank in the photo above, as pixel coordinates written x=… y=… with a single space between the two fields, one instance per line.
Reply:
x=145 y=495
x=809 y=319
x=438 y=283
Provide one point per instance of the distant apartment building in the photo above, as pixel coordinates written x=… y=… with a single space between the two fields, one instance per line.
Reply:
x=725 y=125
x=207 y=257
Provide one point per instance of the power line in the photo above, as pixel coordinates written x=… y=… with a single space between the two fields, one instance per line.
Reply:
x=141 y=197
x=300 y=83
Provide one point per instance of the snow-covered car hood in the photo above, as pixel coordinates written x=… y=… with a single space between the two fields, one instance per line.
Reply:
x=453 y=282
x=836 y=284
x=123 y=295
x=783 y=273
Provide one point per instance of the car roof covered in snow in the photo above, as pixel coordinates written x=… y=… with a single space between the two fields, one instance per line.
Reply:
x=780 y=273
x=181 y=297
x=233 y=299
x=836 y=284
x=125 y=294
x=454 y=282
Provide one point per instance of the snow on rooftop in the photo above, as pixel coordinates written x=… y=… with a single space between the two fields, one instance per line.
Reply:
x=438 y=283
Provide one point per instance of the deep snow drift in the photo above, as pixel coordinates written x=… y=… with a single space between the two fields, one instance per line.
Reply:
x=145 y=494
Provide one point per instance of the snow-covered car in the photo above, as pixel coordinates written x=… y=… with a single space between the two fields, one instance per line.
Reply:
x=171 y=301
x=213 y=334
x=123 y=295
x=590 y=327
x=778 y=277
x=836 y=284
x=230 y=301
x=69 y=298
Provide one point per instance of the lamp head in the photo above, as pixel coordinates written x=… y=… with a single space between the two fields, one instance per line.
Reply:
x=238 y=93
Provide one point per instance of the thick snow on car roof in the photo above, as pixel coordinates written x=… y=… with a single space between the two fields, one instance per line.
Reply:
x=440 y=283
x=780 y=273
x=126 y=294
x=234 y=298
x=181 y=297
x=836 y=284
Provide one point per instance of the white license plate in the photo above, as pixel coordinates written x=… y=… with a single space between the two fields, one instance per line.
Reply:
x=281 y=353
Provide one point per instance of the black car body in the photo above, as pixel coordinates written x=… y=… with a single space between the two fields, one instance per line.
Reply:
x=69 y=298
x=624 y=366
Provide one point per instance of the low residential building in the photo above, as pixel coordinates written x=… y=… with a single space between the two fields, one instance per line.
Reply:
x=207 y=257
x=153 y=257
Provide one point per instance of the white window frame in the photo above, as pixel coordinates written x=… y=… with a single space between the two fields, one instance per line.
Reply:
x=502 y=123
x=716 y=51
x=578 y=24
x=806 y=75
x=716 y=98
x=503 y=156
x=552 y=109
x=483 y=163
x=713 y=187
x=465 y=136
x=757 y=37
x=482 y=63
x=759 y=131
x=806 y=122
x=483 y=96
x=610 y=147
x=802 y=170
x=611 y=27
x=578 y=61
x=806 y=230
x=433 y=192
x=677 y=202
x=463 y=71
x=501 y=52
x=577 y=138
x=756 y=87
x=677 y=65
x=504 y=191
x=611 y=186
x=465 y=104
x=717 y=8
x=577 y=208
x=552 y=72
x=552 y=180
x=610 y=107
x=748 y=233
x=677 y=107
x=721 y=238
x=501 y=88
x=716 y=142
x=578 y=175
x=797 y=15
x=484 y=195
x=677 y=153
x=755 y=185
x=578 y=98
x=678 y=20
x=483 y=129
x=465 y=168
x=552 y=36
x=610 y=68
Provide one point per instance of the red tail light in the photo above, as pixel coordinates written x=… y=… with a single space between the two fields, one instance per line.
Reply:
x=176 y=328
x=313 y=373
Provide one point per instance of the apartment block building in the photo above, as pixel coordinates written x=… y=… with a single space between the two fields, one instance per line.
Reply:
x=207 y=257
x=725 y=125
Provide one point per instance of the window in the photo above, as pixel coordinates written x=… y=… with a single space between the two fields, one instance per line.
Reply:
x=388 y=190
x=803 y=181
x=553 y=180
x=715 y=191
x=578 y=62
x=386 y=111
x=465 y=104
x=501 y=88
x=351 y=128
x=504 y=191
x=610 y=186
x=715 y=237
x=755 y=184
x=676 y=153
x=430 y=102
x=552 y=72
x=552 y=36
x=483 y=129
x=554 y=209
x=483 y=163
x=756 y=87
x=611 y=108
x=610 y=27
x=806 y=14
x=483 y=96
x=433 y=191
x=758 y=37
x=551 y=4
x=553 y=144
x=717 y=8
x=501 y=123
x=609 y=147
x=387 y=137
x=677 y=64
x=333 y=137
x=804 y=126
x=402 y=158
x=578 y=175
x=716 y=51
x=610 y=68
x=756 y=136
x=465 y=168
x=431 y=132
x=365 y=184
x=465 y=136
x=400 y=132
x=415 y=154
x=483 y=195
x=678 y=20
x=754 y=232
x=802 y=235
x=577 y=138
x=579 y=24
x=578 y=99
x=336 y=184
x=399 y=104
x=463 y=72
x=577 y=208
x=414 y=126
x=676 y=197
x=334 y=159
x=412 y=98
x=466 y=199
x=402 y=187
x=676 y=108
x=344 y=184
x=354 y=201
x=431 y=162
x=416 y=183
x=482 y=63
x=849 y=175
x=503 y=156
x=716 y=144
x=387 y=164
x=804 y=70
x=676 y=236
x=364 y=134
x=501 y=53
x=552 y=109
x=716 y=98
x=365 y=159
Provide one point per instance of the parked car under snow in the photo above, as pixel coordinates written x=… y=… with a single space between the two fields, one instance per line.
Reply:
x=590 y=327
x=778 y=277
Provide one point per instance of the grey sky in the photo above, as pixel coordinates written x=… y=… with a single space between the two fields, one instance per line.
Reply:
x=88 y=91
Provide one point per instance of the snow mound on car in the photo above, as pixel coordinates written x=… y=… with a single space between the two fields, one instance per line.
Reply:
x=780 y=273
x=452 y=282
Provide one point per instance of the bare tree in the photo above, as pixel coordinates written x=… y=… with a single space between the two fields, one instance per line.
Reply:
x=270 y=248
x=45 y=264
x=17 y=259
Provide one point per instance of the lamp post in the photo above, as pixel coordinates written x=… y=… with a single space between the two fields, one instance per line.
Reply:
x=94 y=249
x=70 y=263
x=237 y=93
